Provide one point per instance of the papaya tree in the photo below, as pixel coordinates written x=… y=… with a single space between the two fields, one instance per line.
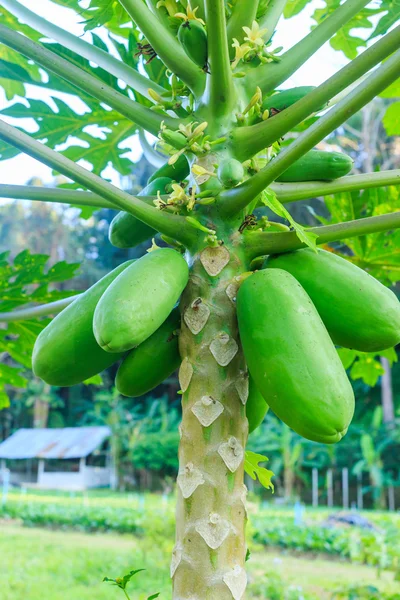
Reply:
x=261 y=307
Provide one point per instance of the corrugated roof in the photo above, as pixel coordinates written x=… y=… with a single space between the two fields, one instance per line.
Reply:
x=70 y=442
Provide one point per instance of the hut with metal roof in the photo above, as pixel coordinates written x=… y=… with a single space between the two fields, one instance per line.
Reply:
x=73 y=458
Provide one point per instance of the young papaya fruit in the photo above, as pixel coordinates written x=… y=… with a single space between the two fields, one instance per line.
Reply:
x=291 y=356
x=286 y=98
x=126 y=231
x=178 y=171
x=318 y=165
x=230 y=172
x=358 y=311
x=66 y=352
x=193 y=38
x=148 y=365
x=138 y=303
x=256 y=406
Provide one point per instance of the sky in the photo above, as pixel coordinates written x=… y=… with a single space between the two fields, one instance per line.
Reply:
x=21 y=168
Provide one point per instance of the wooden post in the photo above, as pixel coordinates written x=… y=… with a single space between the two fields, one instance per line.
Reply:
x=360 y=498
x=40 y=469
x=5 y=477
x=315 y=487
x=329 y=485
x=345 y=487
x=82 y=465
x=391 y=498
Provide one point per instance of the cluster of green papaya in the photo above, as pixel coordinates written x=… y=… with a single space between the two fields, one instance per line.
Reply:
x=291 y=314
x=128 y=314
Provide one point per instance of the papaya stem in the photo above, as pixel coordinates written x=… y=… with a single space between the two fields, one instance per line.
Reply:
x=141 y=115
x=239 y=197
x=247 y=141
x=260 y=243
x=103 y=59
x=219 y=87
x=60 y=196
x=274 y=12
x=301 y=190
x=286 y=192
x=269 y=76
x=173 y=226
x=165 y=45
x=243 y=15
x=34 y=312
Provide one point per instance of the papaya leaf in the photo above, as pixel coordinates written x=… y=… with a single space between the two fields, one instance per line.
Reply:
x=24 y=280
x=269 y=198
x=253 y=469
x=344 y=40
x=379 y=253
x=122 y=582
x=347 y=43
x=100 y=147
x=95 y=380
x=104 y=12
x=366 y=365
x=391 y=119
x=393 y=91
x=391 y=17
x=294 y=7
x=11 y=56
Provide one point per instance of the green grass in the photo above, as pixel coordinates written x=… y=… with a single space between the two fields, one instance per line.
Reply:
x=38 y=564
x=269 y=526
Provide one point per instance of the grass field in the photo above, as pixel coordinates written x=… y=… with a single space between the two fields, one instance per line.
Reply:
x=38 y=564
x=60 y=546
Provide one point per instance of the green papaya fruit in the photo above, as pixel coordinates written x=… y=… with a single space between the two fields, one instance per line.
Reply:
x=126 y=231
x=137 y=303
x=230 y=172
x=193 y=38
x=178 y=171
x=291 y=357
x=148 y=365
x=286 y=98
x=66 y=352
x=256 y=407
x=318 y=165
x=358 y=311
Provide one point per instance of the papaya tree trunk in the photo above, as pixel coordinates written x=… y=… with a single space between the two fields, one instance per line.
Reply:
x=209 y=555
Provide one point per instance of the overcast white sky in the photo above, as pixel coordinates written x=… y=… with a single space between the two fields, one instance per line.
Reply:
x=326 y=62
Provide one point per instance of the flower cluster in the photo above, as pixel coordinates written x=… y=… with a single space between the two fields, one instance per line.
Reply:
x=254 y=46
